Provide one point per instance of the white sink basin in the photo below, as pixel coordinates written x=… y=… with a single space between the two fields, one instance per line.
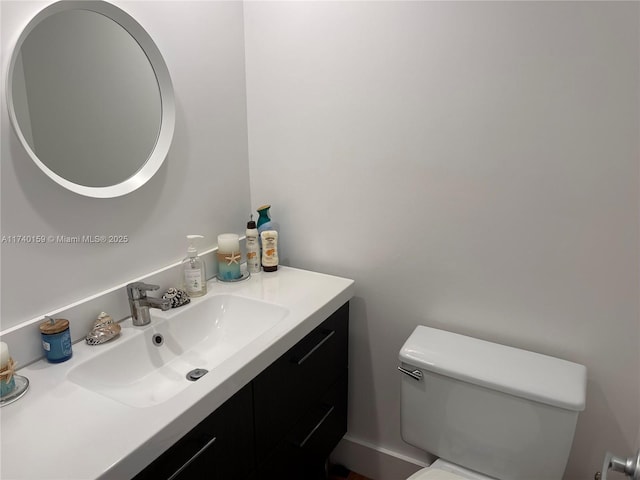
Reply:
x=202 y=335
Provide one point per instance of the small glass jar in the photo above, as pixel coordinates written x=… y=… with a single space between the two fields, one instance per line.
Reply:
x=56 y=340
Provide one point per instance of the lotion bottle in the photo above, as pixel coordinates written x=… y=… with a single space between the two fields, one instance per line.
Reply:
x=269 y=250
x=193 y=268
x=253 y=247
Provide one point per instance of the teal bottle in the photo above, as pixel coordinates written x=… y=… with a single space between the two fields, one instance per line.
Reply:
x=264 y=216
x=264 y=222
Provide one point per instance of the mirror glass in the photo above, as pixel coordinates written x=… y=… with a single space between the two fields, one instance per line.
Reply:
x=90 y=98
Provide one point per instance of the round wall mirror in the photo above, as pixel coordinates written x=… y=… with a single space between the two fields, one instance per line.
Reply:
x=90 y=98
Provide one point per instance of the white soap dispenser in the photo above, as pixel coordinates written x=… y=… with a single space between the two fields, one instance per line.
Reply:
x=193 y=268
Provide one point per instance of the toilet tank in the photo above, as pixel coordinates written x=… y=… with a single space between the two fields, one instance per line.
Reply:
x=498 y=410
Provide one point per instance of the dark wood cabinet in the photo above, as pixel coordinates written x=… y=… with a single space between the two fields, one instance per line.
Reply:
x=301 y=454
x=300 y=401
x=220 y=447
x=282 y=425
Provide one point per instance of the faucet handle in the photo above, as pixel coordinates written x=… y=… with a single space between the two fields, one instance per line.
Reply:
x=137 y=290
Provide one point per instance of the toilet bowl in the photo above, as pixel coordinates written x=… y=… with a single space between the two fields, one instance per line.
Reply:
x=490 y=410
x=441 y=470
x=436 y=474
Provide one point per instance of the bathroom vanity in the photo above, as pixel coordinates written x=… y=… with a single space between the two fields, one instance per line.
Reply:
x=283 y=424
x=271 y=408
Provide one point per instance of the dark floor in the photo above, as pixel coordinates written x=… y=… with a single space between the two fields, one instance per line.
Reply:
x=355 y=476
x=352 y=476
x=337 y=472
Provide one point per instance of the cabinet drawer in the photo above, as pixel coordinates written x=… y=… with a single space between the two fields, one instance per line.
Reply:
x=304 y=450
x=288 y=389
x=218 y=448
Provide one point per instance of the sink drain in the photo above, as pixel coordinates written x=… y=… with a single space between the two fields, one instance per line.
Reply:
x=196 y=374
x=157 y=339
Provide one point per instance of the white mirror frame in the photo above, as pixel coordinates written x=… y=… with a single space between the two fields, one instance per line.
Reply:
x=167 y=124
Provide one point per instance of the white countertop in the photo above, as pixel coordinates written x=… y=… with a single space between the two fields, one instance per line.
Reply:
x=60 y=430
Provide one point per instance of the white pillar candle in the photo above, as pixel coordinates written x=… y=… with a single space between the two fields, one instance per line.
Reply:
x=4 y=354
x=228 y=243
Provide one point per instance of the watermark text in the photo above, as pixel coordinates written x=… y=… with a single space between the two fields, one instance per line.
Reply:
x=62 y=239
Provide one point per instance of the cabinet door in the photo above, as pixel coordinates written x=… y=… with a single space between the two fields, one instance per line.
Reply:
x=286 y=391
x=218 y=448
x=301 y=455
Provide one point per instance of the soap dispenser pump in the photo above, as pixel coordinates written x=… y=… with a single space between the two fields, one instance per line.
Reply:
x=193 y=268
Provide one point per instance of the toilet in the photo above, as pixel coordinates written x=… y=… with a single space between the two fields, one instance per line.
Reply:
x=488 y=411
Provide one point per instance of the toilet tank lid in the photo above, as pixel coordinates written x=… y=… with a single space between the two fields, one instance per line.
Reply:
x=510 y=370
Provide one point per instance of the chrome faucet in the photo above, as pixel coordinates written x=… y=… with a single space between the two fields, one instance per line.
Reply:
x=139 y=303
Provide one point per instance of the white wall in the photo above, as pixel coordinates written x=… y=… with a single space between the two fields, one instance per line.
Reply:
x=202 y=187
x=474 y=167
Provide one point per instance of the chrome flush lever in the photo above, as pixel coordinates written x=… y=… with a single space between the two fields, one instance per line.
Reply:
x=629 y=466
x=415 y=374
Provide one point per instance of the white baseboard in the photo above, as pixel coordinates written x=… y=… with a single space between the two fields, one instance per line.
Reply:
x=373 y=461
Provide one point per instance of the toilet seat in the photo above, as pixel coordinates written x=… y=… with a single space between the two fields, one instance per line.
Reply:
x=443 y=470
x=435 y=474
